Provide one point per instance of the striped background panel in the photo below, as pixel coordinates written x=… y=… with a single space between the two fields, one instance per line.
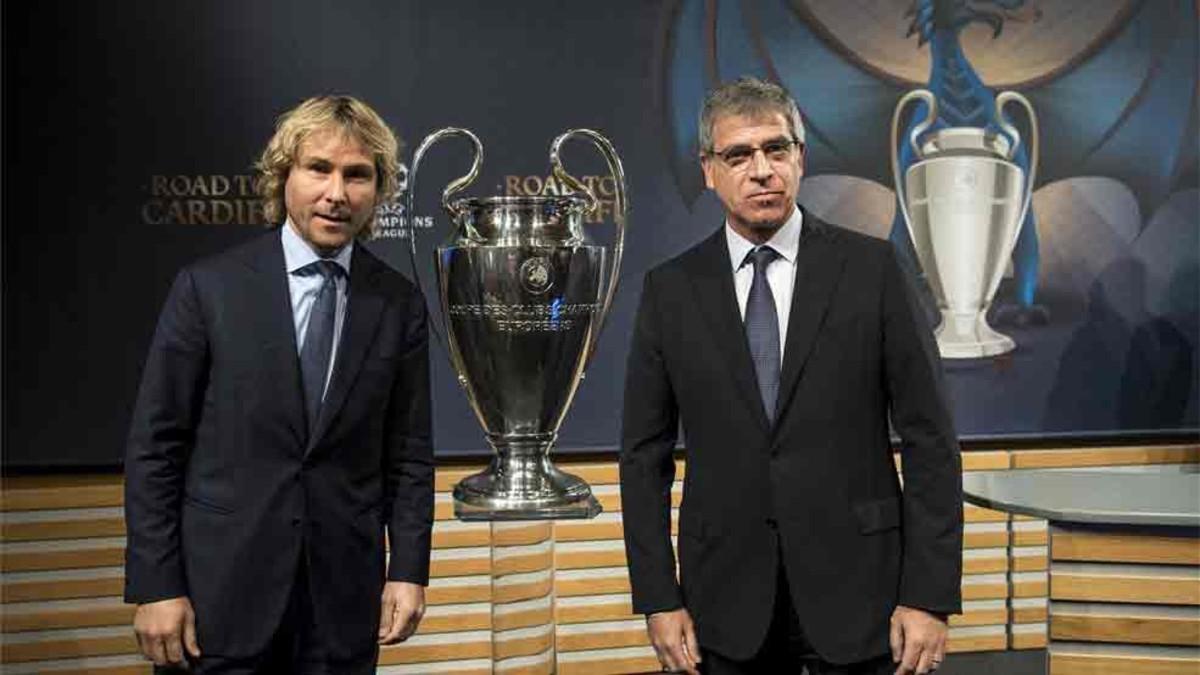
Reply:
x=510 y=598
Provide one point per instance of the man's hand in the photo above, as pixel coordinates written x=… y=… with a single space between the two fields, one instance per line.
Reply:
x=403 y=607
x=918 y=641
x=165 y=629
x=674 y=639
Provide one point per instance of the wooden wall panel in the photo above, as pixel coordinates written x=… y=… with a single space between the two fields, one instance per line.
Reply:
x=1132 y=548
x=522 y=598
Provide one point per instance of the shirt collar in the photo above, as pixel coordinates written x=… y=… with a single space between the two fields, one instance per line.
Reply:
x=297 y=254
x=785 y=241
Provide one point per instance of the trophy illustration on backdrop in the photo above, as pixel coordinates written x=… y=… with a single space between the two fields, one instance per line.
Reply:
x=964 y=201
x=523 y=301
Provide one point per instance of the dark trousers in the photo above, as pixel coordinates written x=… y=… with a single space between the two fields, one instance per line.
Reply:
x=786 y=650
x=296 y=648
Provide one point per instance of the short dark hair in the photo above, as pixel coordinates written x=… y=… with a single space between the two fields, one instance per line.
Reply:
x=748 y=96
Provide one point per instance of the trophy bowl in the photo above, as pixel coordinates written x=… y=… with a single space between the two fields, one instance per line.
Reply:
x=523 y=297
x=964 y=201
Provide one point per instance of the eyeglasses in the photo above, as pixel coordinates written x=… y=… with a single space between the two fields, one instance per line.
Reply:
x=739 y=157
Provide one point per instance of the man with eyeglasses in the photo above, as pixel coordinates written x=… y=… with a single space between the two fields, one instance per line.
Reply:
x=783 y=345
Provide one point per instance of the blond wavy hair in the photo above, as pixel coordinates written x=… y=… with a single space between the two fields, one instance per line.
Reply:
x=342 y=113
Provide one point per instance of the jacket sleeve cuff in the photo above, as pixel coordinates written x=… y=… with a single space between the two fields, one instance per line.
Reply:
x=163 y=582
x=408 y=566
x=664 y=601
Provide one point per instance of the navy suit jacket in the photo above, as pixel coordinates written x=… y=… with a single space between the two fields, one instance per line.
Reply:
x=816 y=491
x=225 y=489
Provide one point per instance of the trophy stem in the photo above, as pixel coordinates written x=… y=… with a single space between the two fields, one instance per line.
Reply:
x=521 y=483
x=968 y=335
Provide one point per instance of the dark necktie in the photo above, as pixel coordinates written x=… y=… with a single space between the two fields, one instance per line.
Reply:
x=762 y=329
x=318 y=340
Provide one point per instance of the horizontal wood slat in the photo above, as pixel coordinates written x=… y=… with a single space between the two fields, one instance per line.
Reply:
x=455 y=622
x=460 y=567
x=414 y=653
x=1030 y=563
x=63 y=529
x=523 y=619
x=82 y=497
x=615 y=639
x=61 y=560
x=985 y=539
x=567 y=588
x=569 y=560
x=1030 y=614
x=1089 y=546
x=589 y=531
x=985 y=460
x=992 y=591
x=644 y=664
x=523 y=536
x=1133 y=629
x=1028 y=641
x=608 y=611
x=518 y=564
x=991 y=565
x=24 y=652
x=1030 y=537
x=518 y=592
x=981 y=617
x=976 y=643
x=453 y=595
x=107 y=670
x=545 y=667
x=1121 y=456
x=526 y=646
x=1088 y=664
x=117 y=614
x=977 y=514
x=32 y=591
x=1111 y=588
x=1030 y=589
x=443 y=538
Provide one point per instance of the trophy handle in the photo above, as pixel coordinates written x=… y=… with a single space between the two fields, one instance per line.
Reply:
x=930 y=118
x=620 y=213
x=1003 y=99
x=456 y=185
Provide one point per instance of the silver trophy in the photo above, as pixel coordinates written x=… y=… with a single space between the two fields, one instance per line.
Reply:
x=964 y=201
x=523 y=300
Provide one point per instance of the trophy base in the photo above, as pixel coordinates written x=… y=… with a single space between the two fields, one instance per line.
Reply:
x=970 y=337
x=523 y=488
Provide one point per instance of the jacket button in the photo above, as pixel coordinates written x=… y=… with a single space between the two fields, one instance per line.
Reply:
x=772 y=524
x=297 y=520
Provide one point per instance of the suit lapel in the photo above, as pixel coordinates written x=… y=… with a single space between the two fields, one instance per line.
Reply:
x=712 y=277
x=818 y=268
x=272 y=308
x=363 y=307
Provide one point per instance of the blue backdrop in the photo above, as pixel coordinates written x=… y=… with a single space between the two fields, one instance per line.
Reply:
x=130 y=129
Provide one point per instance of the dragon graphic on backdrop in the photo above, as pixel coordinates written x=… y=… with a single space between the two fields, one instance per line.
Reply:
x=1121 y=105
x=964 y=101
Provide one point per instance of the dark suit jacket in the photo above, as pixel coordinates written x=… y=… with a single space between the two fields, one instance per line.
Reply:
x=225 y=489
x=819 y=487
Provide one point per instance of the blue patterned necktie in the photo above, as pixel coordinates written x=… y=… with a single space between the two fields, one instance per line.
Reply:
x=762 y=329
x=318 y=340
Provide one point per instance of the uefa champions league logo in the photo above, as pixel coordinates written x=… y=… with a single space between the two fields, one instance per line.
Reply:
x=535 y=275
x=390 y=221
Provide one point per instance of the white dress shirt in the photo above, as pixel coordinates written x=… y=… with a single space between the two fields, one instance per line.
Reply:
x=781 y=274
